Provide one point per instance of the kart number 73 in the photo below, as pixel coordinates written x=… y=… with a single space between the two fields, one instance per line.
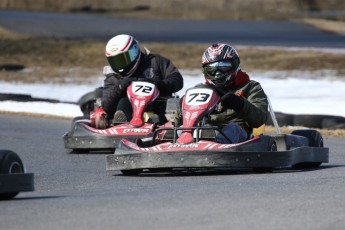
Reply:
x=198 y=96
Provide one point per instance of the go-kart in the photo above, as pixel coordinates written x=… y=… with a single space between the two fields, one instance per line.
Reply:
x=94 y=133
x=13 y=178
x=193 y=146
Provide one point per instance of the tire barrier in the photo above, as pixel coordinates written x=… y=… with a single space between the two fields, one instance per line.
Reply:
x=27 y=98
x=11 y=67
x=87 y=103
x=309 y=120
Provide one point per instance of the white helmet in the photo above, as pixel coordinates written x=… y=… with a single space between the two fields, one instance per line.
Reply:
x=123 y=54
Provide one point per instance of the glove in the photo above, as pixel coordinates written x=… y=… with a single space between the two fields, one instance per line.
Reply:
x=232 y=101
x=124 y=83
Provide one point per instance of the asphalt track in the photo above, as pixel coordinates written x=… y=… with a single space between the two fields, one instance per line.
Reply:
x=74 y=191
x=242 y=32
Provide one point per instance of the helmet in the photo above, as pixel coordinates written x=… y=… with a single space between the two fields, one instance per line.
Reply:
x=123 y=54
x=220 y=64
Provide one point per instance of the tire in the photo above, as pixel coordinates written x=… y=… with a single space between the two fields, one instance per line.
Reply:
x=131 y=172
x=10 y=163
x=271 y=147
x=11 y=67
x=315 y=140
x=282 y=119
x=310 y=121
x=333 y=123
x=80 y=151
x=87 y=101
x=15 y=97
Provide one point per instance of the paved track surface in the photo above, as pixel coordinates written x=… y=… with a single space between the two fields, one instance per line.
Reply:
x=76 y=192
x=244 y=32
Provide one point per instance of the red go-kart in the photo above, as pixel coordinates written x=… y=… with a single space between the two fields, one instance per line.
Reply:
x=94 y=133
x=193 y=146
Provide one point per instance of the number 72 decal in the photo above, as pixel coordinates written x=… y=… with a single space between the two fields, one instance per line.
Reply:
x=142 y=88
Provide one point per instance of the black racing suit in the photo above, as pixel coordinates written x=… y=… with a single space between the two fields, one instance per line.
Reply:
x=152 y=66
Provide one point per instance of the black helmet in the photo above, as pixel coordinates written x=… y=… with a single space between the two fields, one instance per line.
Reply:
x=220 y=64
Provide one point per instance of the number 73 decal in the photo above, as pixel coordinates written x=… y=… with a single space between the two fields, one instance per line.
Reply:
x=198 y=96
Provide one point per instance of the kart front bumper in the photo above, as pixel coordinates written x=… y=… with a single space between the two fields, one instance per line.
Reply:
x=217 y=159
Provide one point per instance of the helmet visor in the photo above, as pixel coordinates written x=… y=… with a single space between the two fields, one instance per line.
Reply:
x=120 y=61
x=224 y=67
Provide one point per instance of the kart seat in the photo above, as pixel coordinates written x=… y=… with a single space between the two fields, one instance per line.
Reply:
x=259 y=131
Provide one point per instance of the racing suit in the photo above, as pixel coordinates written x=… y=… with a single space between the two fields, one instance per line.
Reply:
x=238 y=125
x=158 y=69
x=253 y=113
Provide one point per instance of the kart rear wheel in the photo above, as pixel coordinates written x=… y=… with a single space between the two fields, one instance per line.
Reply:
x=86 y=102
x=271 y=147
x=315 y=140
x=10 y=163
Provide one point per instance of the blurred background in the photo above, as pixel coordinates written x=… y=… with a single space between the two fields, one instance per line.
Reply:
x=197 y=9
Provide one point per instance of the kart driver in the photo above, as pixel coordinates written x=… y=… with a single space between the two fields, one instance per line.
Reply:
x=127 y=63
x=244 y=104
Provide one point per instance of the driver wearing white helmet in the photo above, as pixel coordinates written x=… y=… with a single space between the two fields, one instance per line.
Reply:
x=127 y=63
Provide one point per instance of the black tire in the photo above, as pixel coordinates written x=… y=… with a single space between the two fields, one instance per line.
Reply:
x=315 y=140
x=10 y=163
x=314 y=137
x=333 y=123
x=11 y=67
x=282 y=119
x=310 y=121
x=271 y=147
x=15 y=97
x=98 y=92
x=80 y=151
x=87 y=101
x=131 y=172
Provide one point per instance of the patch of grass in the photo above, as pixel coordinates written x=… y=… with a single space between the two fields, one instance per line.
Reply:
x=47 y=59
x=327 y=25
